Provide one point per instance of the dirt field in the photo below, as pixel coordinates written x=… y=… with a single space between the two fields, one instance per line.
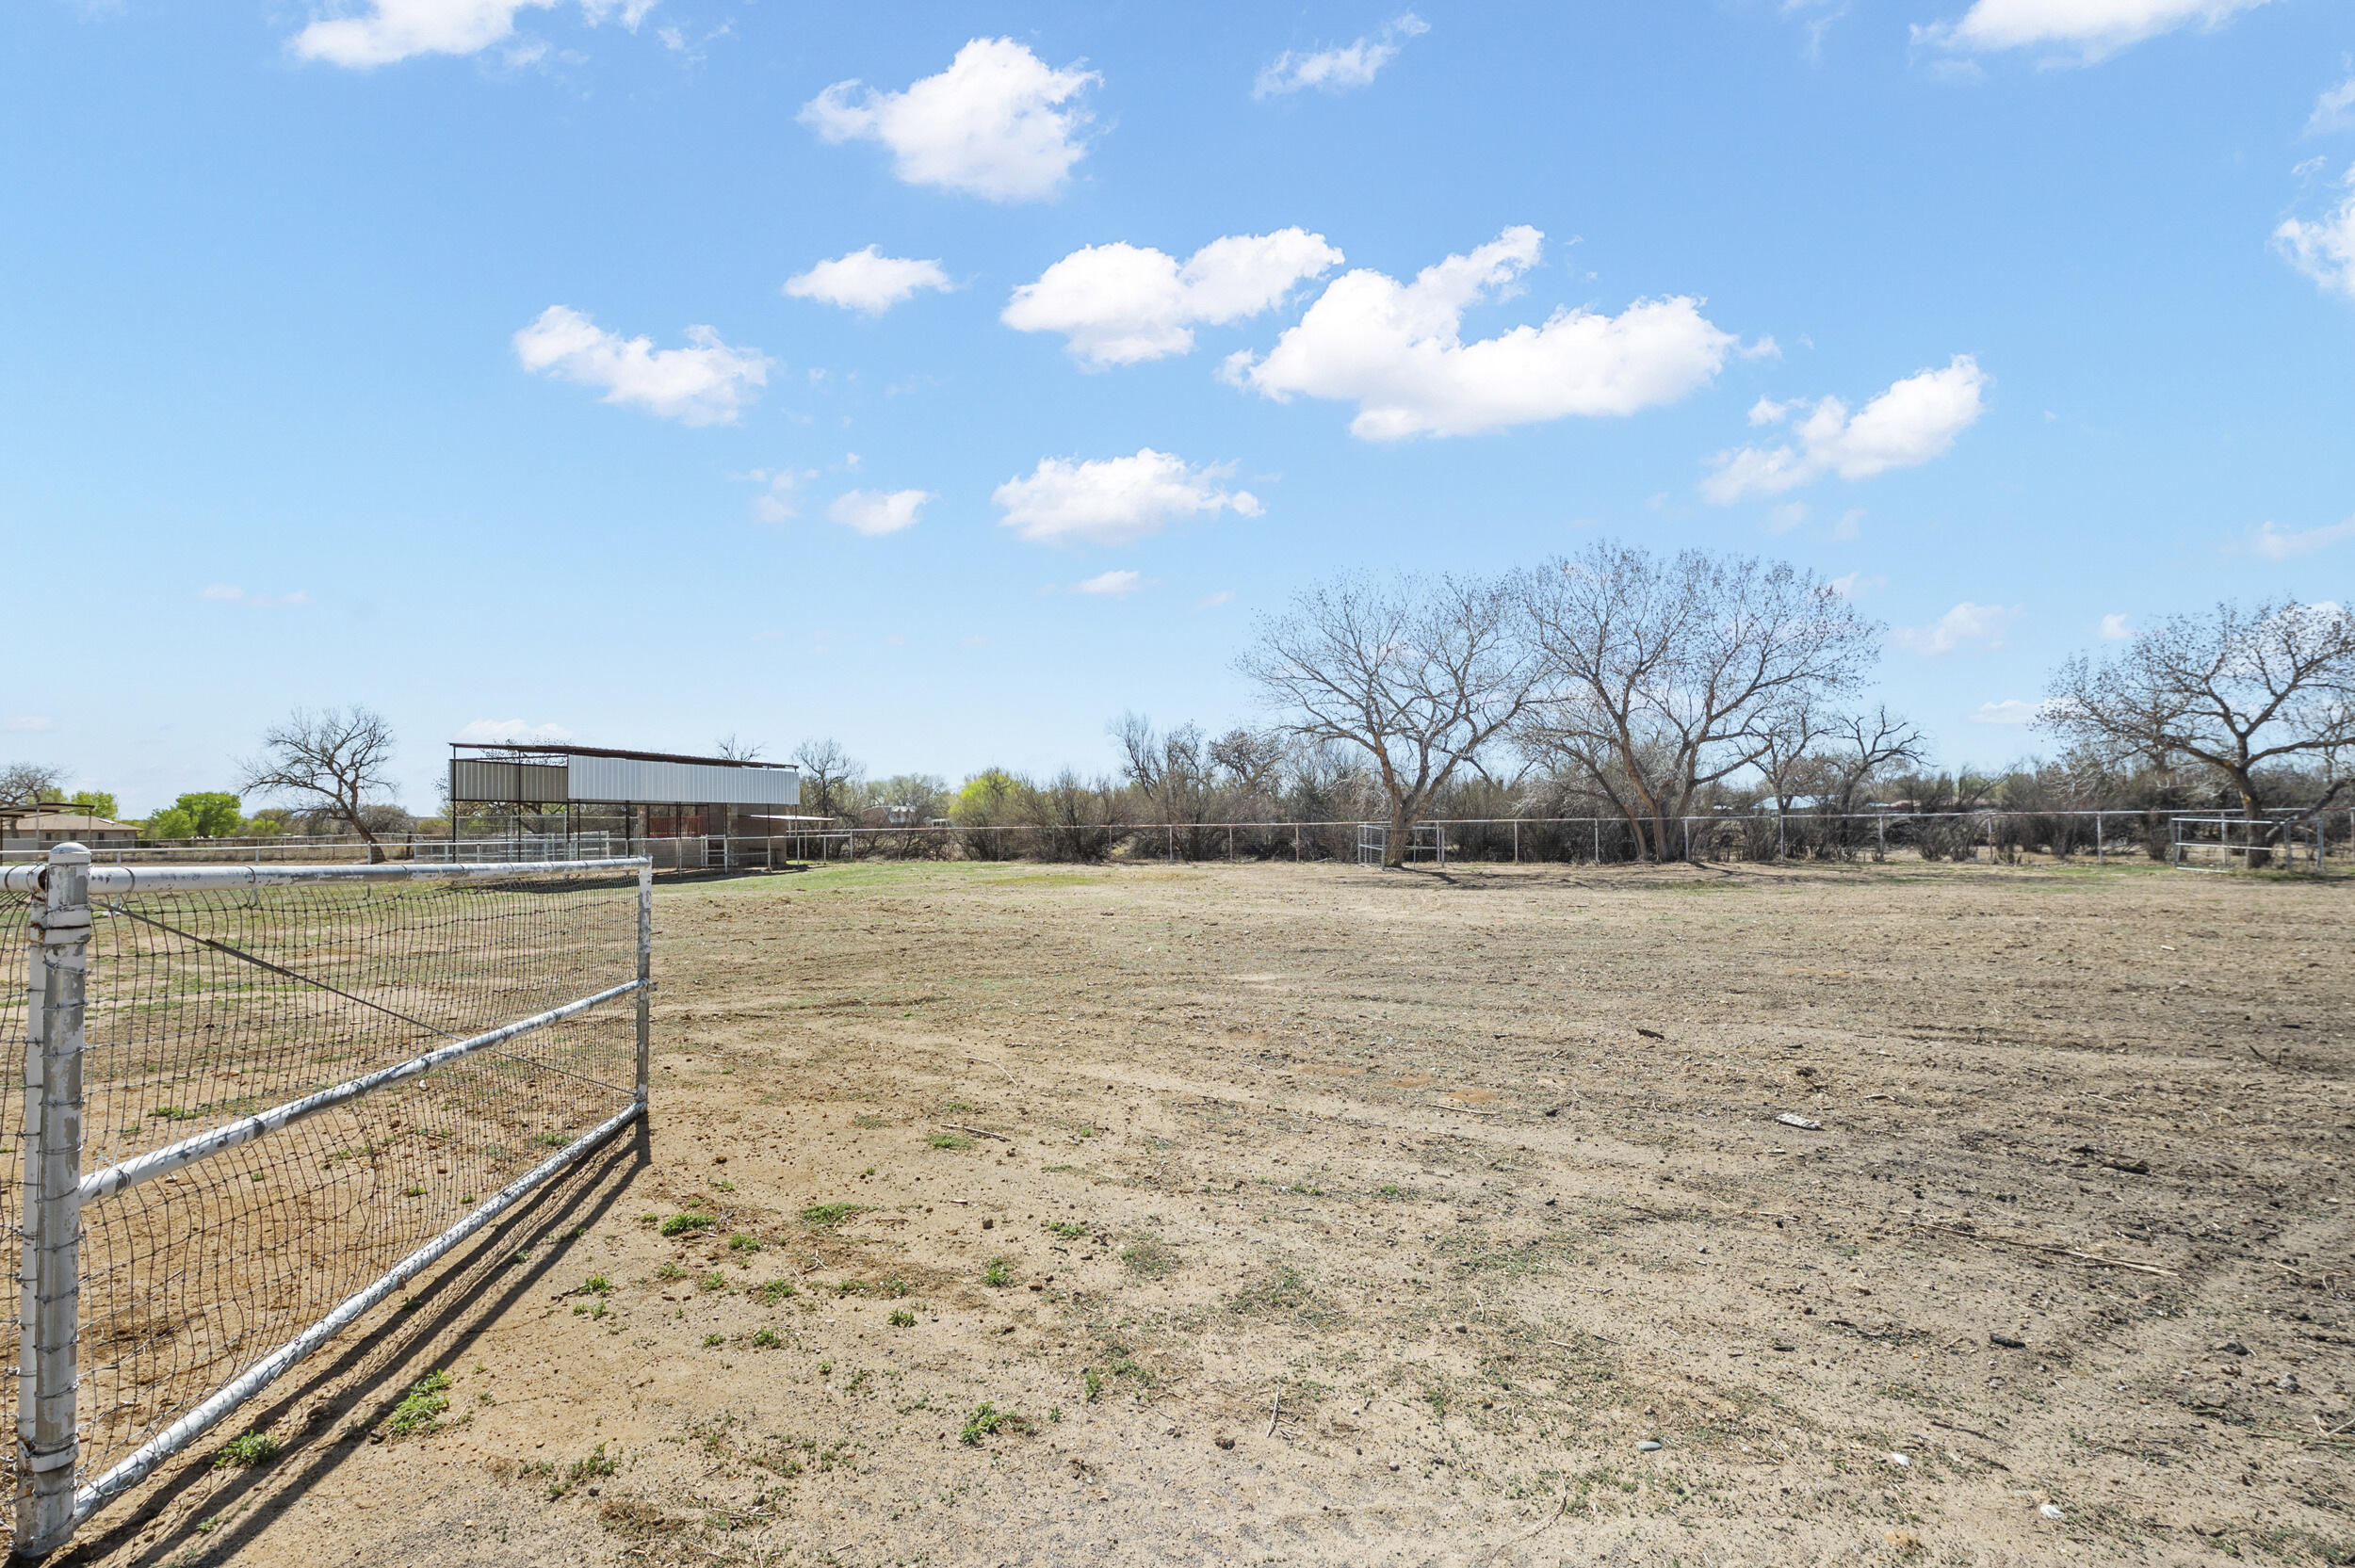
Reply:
x=1276 y=1214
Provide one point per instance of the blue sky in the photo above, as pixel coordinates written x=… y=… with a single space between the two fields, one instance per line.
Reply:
x=476 y=360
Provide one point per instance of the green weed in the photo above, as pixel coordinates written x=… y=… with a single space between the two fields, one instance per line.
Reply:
x=422 y=1408
x=987 y=1420
x=255 y=1447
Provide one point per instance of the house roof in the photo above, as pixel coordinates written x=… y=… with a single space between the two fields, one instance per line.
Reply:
x=35 y=820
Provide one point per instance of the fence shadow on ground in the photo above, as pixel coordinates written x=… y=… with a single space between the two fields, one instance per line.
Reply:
x=362 y=1384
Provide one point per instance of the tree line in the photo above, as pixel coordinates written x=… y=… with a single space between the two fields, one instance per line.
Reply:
x=1615 y=682
x=1653 y=689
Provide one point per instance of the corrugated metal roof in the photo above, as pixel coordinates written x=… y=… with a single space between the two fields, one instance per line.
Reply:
x=527 y=749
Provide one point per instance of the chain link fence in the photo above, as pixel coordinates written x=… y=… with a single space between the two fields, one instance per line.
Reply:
x=258 y=1100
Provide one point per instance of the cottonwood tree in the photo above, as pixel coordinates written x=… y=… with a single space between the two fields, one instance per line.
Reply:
x=830 y=773
x=1419 y=674
x=2231 y=691
x=1662 y=675
x=332 y=760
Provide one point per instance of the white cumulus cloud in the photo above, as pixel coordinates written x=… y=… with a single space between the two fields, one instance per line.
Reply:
x=999 y=123
x=2277 y=544
x=1965 y=627
x=1112 y=500
x=2116 y=628
x=2092 y=29
x=1397 y=350
x=867 y=280
x=704 y=383
x=1915 y=420
x=879 y=511
x=1339 y=69
x=2009 y=711
x=385 y=31
x=2324 y=249
x=1120 y=304
x=1114 y=585
x=511 y=732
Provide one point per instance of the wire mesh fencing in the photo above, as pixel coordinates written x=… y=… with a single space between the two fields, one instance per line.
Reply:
x=259 y=1099
x=1988 y=835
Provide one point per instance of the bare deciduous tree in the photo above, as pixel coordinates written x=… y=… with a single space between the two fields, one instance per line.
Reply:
x=23 y=782
x=828 y=773
x=1171 y=768
x=1661 y=676
x=334 y=759
x=1419 y=675
x=1861 y=748
x=737 y=751
x=2233 y=690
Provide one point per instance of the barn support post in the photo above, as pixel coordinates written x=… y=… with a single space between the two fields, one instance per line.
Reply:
x=48 y=1450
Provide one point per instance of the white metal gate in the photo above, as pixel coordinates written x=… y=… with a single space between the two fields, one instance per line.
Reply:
x=2239 y=844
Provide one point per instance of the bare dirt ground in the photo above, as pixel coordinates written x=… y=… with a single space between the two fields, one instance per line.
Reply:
x=1276 y=1214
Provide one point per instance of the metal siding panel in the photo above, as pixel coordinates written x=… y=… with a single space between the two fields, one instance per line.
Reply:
x=626 y=779
x=477 y=779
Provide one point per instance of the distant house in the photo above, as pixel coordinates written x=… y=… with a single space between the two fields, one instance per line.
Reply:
x=38 y=827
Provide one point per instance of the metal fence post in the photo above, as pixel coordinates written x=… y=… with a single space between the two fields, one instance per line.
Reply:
x=646 y=982
x=2097 y=839
x=48 y=1452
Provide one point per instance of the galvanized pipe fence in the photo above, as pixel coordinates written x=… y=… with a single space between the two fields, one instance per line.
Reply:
x=2097 y=832
x=2097 y=835
x=259 y=1100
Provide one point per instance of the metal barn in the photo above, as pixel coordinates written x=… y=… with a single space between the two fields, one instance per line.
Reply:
x=688 y=812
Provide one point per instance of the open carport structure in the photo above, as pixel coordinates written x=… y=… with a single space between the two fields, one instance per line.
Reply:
x=686 y=813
